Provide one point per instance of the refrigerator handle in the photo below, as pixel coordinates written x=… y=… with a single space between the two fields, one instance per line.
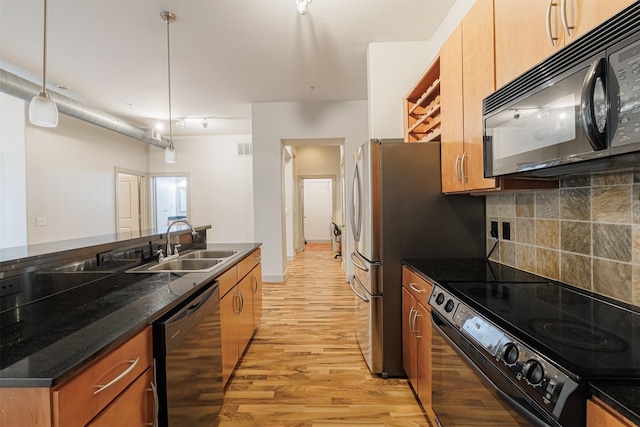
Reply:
x=356 y=261
x=353 y=288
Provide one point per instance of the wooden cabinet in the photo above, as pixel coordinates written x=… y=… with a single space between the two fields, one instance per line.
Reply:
x=133 y=407
x=599 y=414
x=467 y=76
x=422 y=107
x=240 y=310
x=521 y=37
x=416 y=336
x=112 y=380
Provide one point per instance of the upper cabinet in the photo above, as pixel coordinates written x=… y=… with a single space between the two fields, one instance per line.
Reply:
x=528 y=31
x=467 y=76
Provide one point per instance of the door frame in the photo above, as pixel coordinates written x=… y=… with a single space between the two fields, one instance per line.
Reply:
x=301 y=178
x=143 y=196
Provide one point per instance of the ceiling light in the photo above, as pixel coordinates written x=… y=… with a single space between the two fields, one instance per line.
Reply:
x=159 y=125
x=42 y=110
x=303 y=6
x=181 y=124
x=170 y=151
x=205 y=123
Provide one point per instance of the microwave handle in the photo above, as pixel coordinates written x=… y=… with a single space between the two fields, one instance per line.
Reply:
x=596 y=138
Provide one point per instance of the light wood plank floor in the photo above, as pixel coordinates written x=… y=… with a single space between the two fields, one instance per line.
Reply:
x=304 y=367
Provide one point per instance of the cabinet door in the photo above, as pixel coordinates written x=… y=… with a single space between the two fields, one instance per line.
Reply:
x=589 y=14
x=409 y=361
x=451 y=111
x=245 y=319
x=521 y=39
x=423 y=352
x=229 y=306
x=478 y=77
x=133 y=407
x=257 y=295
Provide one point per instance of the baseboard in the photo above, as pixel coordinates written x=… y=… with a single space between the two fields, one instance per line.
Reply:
x=320 y=241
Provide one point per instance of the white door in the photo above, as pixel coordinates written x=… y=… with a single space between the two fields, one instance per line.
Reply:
x=128 y=203
x=317 y=209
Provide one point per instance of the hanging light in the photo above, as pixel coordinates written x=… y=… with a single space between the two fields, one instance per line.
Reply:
x=303 y=6
x=42 y=110
x=169 y=152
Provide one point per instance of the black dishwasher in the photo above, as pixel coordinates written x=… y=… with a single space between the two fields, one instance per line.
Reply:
x=187 y=349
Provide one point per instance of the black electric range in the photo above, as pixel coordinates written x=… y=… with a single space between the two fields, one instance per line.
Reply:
x=546 y=337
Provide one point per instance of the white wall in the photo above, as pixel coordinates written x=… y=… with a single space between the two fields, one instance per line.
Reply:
x=71 y=178
x=394 y=68
x=220 y=184
x=13 y=176
x=272 y=122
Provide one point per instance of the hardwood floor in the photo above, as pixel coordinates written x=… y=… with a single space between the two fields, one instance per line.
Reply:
x=304 y=367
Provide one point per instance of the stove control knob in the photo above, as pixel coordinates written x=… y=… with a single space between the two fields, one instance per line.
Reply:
x=440 y=298
x=449 y=306
x=533 y=372
x=510 y=354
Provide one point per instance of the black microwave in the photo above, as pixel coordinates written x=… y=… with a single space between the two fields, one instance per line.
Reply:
x=576 y=113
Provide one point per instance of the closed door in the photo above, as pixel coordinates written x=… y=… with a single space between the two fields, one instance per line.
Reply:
x=317 y=209
x=128 y=203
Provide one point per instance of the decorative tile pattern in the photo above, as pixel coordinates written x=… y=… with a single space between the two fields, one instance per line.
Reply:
x=612 y=241
x=586 y=234
x=548 y=205
x=575 y=270
x=612 y=278
x=575 y=204
x=548 y=233
x=575 y=237
x=525 y=205
x=526 y=231
x=612 y=204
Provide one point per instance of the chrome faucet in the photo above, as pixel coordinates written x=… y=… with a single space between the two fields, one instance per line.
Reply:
x=175 y=250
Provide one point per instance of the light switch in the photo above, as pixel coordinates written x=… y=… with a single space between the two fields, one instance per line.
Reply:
x=41 y=220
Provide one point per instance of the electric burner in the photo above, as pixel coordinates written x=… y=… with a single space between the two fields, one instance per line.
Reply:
x=579 y=335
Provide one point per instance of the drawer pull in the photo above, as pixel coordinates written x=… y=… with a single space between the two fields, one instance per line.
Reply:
x=119 y=377
x=418 y=290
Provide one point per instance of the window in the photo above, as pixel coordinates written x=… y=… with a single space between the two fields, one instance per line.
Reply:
x=170 y=199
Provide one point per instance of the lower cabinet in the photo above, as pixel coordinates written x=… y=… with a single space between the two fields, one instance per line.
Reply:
x=416 y=336
x=118 y=383
x=599 y=414
x=240 y=311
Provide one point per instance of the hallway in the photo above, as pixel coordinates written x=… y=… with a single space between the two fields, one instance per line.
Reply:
x=304 y=367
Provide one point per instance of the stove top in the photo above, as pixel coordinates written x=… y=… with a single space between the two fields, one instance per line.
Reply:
x=588 y=336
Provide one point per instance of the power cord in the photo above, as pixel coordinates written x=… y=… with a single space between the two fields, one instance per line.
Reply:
x=493 y=234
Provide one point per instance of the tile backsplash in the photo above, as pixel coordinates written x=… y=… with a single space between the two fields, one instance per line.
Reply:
x=586 y=233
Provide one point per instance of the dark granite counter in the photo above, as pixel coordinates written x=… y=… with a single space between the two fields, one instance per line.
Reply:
x=624 y=396
x=48 y=340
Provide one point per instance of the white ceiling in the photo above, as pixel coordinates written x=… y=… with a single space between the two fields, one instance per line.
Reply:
x=225 y=54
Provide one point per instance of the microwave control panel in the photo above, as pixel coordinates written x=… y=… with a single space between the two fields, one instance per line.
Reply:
x=625 y=67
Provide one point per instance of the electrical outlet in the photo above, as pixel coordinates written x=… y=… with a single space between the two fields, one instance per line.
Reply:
x=41 y=220
x=506 y=231
x=494 y=229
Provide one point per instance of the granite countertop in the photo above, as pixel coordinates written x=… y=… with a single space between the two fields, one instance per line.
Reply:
x=49 y=340
x=624 y=396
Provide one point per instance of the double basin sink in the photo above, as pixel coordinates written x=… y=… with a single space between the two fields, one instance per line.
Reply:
x=196 y=261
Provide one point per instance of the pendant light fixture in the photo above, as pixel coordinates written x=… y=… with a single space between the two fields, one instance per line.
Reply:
x=42 y=110
x=170 y=151
x=303 y=6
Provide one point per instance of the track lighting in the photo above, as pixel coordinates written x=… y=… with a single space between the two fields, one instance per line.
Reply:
x=169 y=152
x=205 y=123
x=159 y=125
x=303 y=6
x=181 y=123
x=42 y=110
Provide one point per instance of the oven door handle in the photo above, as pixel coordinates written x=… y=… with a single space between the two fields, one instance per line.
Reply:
x=523 y=412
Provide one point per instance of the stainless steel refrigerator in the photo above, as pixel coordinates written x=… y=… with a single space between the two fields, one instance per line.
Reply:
x=398 y=212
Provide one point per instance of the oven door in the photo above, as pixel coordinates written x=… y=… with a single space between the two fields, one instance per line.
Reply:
x=468 y=390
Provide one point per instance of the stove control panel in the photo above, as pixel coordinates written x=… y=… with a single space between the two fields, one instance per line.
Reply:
x=529 y=370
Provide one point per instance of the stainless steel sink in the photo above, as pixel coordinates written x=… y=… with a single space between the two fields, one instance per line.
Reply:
x=185 y=265
x=210 y=254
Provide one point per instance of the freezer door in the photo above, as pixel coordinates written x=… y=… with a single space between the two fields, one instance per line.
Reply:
x=368 y=325
x=368 y=274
